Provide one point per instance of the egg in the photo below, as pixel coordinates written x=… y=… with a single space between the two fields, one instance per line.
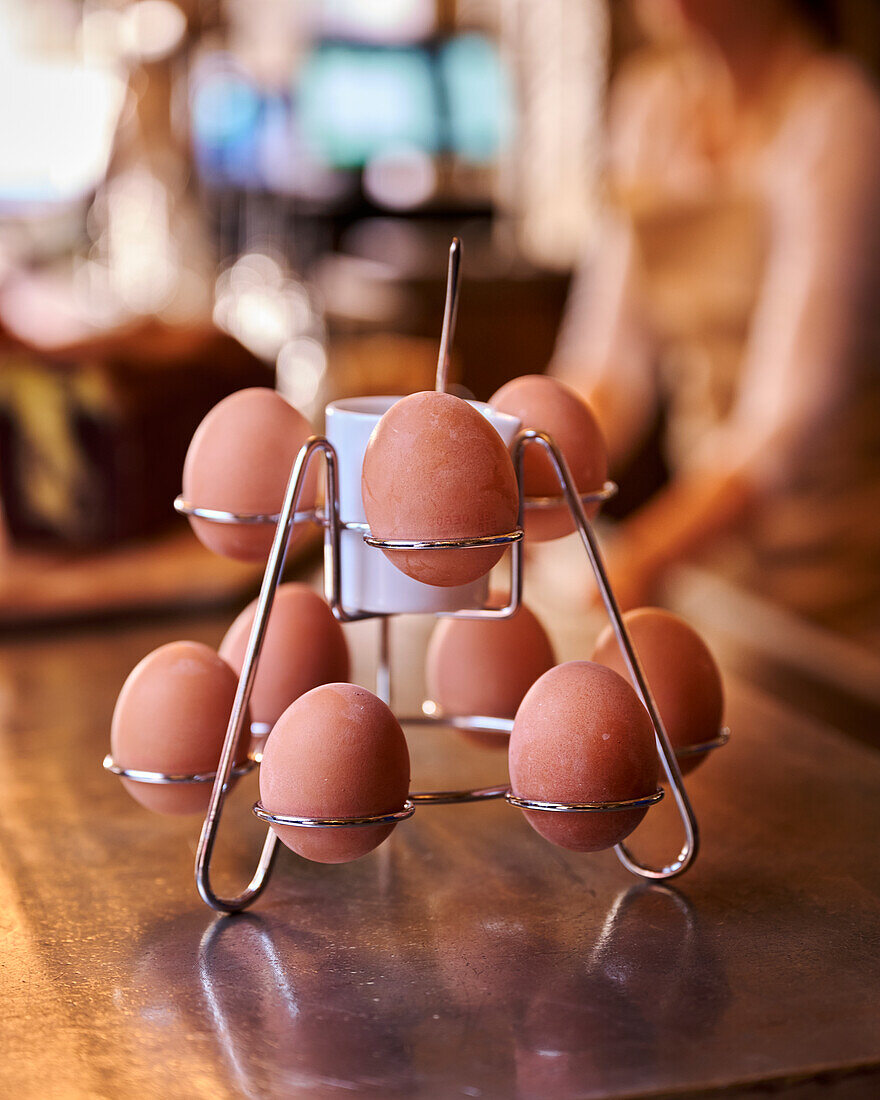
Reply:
x=582 y=735
x=240 y=460
x=682 y=674
x=304 y=646
x=171 y=717
x=485 y=666
x=338 y=751
x=435 y=468
x=545 y=404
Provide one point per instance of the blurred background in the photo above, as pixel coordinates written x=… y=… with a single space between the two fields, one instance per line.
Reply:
x=670 y=204
x=202 y=196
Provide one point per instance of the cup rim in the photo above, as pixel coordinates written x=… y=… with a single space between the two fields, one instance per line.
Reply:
x=366 y=407
x=375 y=406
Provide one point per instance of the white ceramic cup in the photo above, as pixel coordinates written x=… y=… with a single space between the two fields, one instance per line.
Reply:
x=369 y=581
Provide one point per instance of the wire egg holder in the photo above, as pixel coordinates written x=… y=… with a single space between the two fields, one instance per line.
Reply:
x=328 y=517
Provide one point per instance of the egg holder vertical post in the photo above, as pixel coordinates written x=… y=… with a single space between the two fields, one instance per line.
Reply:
x=329 y=519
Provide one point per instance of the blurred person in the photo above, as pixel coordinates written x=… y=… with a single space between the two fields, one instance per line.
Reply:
x=736 y=280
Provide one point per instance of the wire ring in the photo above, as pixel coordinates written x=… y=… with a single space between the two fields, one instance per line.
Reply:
x=160 y=778
x=480 y=723
x=334 y=822
x=586 y=807
x=453 y=798
x=434 y=715
x=704 y=746
x=445 y=544
x=250 y=519
x=597 y=496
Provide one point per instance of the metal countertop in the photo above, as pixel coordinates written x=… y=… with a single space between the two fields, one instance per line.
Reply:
x=466 y=957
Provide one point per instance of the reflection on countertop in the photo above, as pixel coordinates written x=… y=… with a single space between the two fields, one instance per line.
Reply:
x=464 y=957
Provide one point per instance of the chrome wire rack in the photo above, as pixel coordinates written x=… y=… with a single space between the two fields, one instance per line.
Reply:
x=327 y=517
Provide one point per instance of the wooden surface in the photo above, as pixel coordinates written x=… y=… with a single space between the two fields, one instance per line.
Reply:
x=466 y=957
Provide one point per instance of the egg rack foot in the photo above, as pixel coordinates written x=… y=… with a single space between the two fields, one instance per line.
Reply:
x=328 y=517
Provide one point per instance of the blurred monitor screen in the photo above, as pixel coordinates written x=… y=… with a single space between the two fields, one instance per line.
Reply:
x=350 y=106
x=356 y=103
x=478 y=95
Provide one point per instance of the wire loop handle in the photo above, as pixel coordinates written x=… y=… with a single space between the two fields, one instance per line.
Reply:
x=271 y=579
x=691 y=845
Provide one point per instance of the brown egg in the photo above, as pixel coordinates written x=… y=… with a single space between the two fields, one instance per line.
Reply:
x=544 y=404
x=171 y=717
x=485 y=666
x=582 y=735
x=304 y=646
x=681 y=672
x=338 y=751
x=434 y=469
x=240 y=460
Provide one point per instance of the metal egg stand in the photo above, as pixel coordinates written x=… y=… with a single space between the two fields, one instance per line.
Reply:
x=328 y=517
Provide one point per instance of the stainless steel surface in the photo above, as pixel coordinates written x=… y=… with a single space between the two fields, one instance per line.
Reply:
x=464 y=958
